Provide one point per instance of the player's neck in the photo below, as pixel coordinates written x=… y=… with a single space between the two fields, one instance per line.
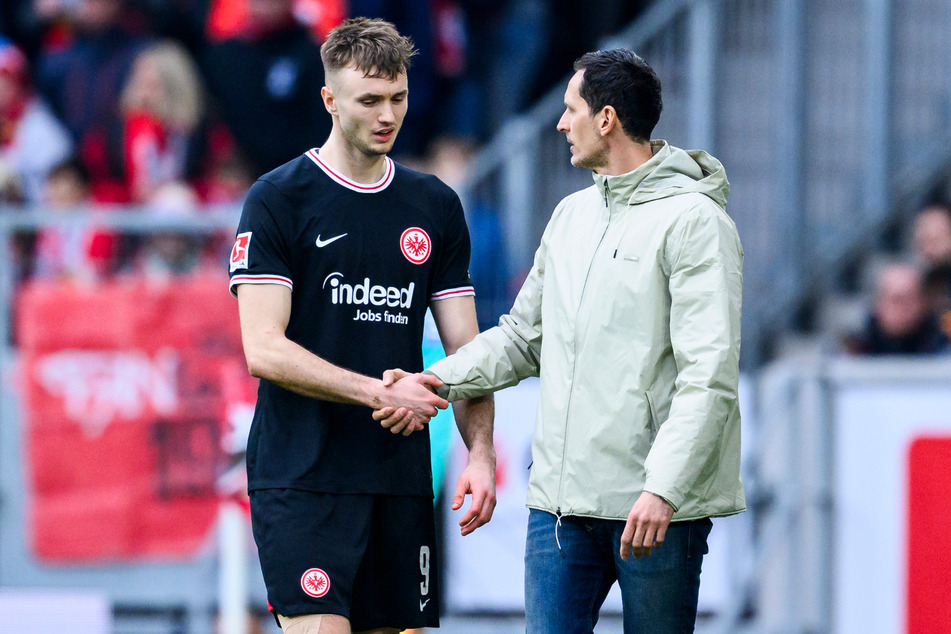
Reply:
x=351 y=163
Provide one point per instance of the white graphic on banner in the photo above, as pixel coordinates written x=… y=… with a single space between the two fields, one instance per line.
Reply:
x=98 y=387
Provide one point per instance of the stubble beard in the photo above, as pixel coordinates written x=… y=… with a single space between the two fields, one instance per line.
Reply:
x=598 y=158
x=366 y=148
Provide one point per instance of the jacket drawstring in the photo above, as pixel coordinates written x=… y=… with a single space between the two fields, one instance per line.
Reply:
x=557 y=526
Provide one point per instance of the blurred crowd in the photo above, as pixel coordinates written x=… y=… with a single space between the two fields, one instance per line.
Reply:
x=176 y=106
x=910 y=306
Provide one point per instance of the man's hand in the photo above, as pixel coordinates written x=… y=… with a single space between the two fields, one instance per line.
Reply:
x=646 y=525
x=478 y=479
x=402 y=412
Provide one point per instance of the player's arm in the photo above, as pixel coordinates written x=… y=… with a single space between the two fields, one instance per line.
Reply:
x=265 y=310
x=456 y=321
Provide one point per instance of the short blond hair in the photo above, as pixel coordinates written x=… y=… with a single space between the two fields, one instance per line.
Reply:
x=373 y=46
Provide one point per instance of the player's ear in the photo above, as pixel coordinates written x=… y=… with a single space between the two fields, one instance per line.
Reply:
x=330 y=102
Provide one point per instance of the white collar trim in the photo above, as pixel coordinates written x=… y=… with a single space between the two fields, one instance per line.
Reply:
x=361 y=188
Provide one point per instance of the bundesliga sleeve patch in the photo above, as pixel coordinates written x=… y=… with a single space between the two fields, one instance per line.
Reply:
x=239 y=253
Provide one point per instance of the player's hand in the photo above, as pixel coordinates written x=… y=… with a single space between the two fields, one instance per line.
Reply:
x=392 y=376
x=409 y=401
x=399 y=420
x=478 y=479
x=646 y=526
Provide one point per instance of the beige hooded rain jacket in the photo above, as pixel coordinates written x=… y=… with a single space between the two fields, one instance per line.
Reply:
x=631 y=318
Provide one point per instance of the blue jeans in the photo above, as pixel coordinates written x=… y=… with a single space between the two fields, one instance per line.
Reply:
x=566 y=585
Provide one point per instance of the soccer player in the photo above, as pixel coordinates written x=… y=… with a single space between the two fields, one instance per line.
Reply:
x=338 y=254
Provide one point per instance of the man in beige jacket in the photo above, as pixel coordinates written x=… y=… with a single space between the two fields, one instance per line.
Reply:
x=631 y=318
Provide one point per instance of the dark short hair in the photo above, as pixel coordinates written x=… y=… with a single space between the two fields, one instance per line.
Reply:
x=71 y=167
x=373 y=46
x=623 y=80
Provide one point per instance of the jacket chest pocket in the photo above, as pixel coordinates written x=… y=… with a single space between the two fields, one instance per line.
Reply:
x=626 y=254
x=627 y=279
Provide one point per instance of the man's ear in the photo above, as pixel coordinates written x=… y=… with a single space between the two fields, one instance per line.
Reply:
x=330 y=102
x=606 y=120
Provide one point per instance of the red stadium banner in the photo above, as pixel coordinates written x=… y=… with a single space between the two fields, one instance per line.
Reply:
x=131 y=391
x=929 y=539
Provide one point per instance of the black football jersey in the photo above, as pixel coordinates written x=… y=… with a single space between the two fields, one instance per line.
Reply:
x=362 y=262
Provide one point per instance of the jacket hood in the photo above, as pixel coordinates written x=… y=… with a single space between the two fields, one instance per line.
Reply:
x=670 y=172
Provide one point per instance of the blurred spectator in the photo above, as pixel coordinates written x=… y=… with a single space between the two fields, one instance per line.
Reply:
x=576 y=27
x=414 y=20
x=228 y=18
x=167 y=254
x=518 y=49
x=18 y=22
x=267 y=85
x=31 y=139
x=162 y=105
x=900 y=321
x=931 y=235
x=938 y=294
x=228 y=182
x=82 y=83
x=506 y=56
x=181 y=20
x=77 y=250
x=448 y=159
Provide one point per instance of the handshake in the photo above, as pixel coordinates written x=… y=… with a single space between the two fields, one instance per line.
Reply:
x=408 y=401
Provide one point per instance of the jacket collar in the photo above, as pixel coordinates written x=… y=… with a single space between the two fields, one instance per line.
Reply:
x=620 y=189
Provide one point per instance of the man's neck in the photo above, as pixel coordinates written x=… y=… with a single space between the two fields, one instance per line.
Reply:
x=625 y=157
x=350 y=162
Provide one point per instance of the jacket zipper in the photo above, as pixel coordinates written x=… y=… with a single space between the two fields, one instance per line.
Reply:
x=574 y=371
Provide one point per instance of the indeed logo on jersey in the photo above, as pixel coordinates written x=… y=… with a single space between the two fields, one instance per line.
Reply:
x=367 y=294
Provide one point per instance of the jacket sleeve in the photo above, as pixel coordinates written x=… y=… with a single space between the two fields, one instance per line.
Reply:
x=504 y=355
x=705 y=262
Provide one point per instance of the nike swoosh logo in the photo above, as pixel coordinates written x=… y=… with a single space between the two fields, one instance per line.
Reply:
x=322 y=243
x=422 y=604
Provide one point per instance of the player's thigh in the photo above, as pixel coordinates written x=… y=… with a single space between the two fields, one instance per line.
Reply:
x=323 y=624
x=314 y=624
x=310 y=546
x=397 y=584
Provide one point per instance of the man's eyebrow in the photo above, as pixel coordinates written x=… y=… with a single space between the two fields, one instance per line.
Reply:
x=379 y=95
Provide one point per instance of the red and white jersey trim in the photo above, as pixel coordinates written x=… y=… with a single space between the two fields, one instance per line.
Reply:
x=259 y=279
x=340 y=179
x=462 y=291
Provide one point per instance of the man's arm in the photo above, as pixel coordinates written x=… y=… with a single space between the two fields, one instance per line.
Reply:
x=456 y=321
x=705 y=268
x=504 y=355
x=265 y=310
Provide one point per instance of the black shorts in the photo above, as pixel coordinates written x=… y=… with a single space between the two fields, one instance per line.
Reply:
x=370 y=558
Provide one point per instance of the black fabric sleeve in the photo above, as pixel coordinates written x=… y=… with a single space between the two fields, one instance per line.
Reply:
x=451 y=277
x=261 y=253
